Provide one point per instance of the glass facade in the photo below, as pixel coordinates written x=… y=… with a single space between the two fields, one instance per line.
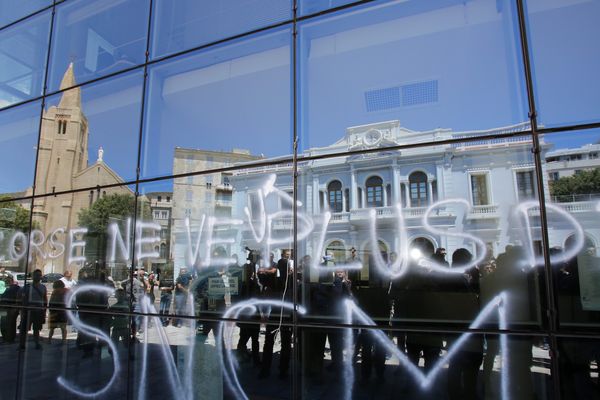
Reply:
x=287 y=199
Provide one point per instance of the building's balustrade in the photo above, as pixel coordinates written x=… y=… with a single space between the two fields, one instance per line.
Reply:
x=364 y=213
x=223 y=203
x=575 y=207
x=340 y=217
x=579 y=206
x=267 y=169
x=225 y=187
x=414 y=212
x=387 y=212
x=283 y=223
x=485 y=211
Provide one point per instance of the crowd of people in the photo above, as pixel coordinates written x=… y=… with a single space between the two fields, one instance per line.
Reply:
x=420 y=294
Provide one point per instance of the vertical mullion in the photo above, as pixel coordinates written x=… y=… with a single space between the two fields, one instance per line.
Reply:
x=295 y=341
x=130 y=369
x=552 y=326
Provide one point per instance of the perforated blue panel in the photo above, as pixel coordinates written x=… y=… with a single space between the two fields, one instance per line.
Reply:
x=420 y=93
x=382 y=99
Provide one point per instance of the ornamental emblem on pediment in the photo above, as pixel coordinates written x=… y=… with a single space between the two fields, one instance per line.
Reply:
x=371 y=138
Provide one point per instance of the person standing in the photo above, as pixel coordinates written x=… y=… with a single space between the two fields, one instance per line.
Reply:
x=35 y=296
x=68 y=280
x=166 y=295
x=182 y=288
x=284 y=292
x=151 y=283
x=57 y=317
x=10 y=299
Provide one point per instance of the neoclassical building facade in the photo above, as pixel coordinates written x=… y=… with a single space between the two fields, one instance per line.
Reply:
x=446 y=193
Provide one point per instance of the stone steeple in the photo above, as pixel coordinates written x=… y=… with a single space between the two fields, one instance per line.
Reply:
x=71 y=98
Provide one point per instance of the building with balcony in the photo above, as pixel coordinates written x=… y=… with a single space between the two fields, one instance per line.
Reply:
x=489 y=177
x=161 y=207
x=200 y=195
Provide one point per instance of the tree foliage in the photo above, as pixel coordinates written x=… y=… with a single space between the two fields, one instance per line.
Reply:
x=13 y=215
x=584 y=182
x=117 y=208
x=112 y=208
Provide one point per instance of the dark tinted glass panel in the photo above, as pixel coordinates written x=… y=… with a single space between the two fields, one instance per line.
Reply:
x=367 y=363
x=578 y=370
x=234 y=98
x=12 y=10
x=23 y=54
x=567 y=69
x=222 y=239
x=90 y=134
x=572 y=181
x=88 y=362
x=183 y=24
x=19 y=129
x=412 y=63
x=14 y=231
x=85 y=233
x=452 y=255
x=98 y=40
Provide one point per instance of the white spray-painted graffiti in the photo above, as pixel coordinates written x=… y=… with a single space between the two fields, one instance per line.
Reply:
x=262 y=233
x=228 y=364
x=201 y=239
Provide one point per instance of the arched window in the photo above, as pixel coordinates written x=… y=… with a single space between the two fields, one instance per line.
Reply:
x=163 y=250
x=374 y=188
x=337 y=250
x=334 y=196
x=424 y=245
x=418 y=189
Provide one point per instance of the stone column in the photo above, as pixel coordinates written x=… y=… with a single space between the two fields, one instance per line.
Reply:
x=396 y=184
x=316 y=195
x=430 y=190
x=353 y=190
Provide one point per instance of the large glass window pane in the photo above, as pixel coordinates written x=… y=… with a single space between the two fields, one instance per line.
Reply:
x=572 y=188
x=23 y=54
x=566 y=69
x=432 y=67
x=86 y=233
x=234 y=98
x=14 y=233
x=19 y=129
x=97 y=40
x=86 y=361
x=227 y=240
x=578 y=367
x=182 y=24
x=12 y=10
x=211 y=233
x=378 y=363
x=453 y=256
x=90 y=134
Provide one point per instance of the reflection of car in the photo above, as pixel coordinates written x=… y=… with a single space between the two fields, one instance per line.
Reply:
x=51 y=277
x=20 y=279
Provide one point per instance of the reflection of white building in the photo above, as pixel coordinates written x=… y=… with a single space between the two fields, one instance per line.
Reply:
x=568 y=162
x=161 y=208
x=492 y=175
x=195 y=196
